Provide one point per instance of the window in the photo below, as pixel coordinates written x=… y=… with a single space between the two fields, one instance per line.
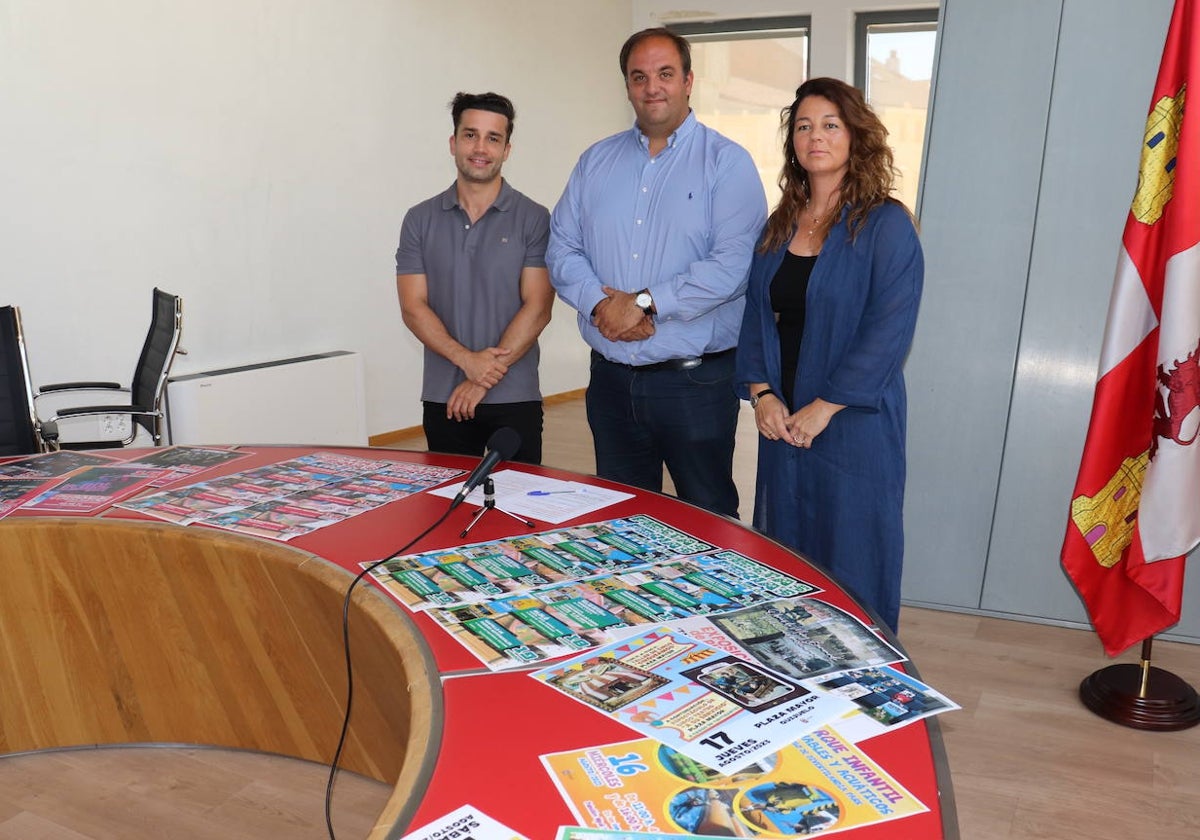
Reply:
x=893 y=67
x=746 y=71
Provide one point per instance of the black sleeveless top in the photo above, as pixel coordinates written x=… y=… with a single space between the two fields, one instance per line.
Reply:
x=789 y=287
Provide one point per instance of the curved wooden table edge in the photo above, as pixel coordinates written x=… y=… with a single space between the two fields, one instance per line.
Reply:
x=406 y=795
x=199 y=637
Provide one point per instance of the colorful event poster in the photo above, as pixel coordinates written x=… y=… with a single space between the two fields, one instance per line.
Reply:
x=276 y=481
x=91 y=489
x=800 y=637
x=391 y=484
x=52 y=464
x=179 y=462
x=15 y=492
x=276 y=520
x=346 y=496
x=394 y=485
x=565 y=618
x=821 y=783
x=718 y=582
x=418 y=476
x=184 y=505
x=887 y=699
x=537 y=626
x=414 y=477
x=295 y=497
x=478 y=572
x=331 y=464
x=327 y=500
x=714 y=708
x=465 y=823
x=340 y=464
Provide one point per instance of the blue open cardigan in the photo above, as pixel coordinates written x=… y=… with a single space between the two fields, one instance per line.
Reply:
x=841 y=502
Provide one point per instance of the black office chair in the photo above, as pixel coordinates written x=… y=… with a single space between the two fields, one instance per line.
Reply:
x=146 y=407
x=20 y=429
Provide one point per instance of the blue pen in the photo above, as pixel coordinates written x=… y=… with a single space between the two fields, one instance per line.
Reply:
x=547 y=492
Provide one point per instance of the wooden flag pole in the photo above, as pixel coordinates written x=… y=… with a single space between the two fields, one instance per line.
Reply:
x=1141 y=696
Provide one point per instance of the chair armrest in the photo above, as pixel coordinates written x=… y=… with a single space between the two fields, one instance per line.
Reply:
x=93 y=410
x=80 y=386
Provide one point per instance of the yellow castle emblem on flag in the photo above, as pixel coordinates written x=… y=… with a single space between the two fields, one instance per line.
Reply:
x=1156 y=175
x=1106 y=520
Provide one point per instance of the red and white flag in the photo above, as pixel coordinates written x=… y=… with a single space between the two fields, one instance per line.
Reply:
x=1135 y=512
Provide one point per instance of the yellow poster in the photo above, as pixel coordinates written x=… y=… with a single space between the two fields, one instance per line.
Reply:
x=822 y=783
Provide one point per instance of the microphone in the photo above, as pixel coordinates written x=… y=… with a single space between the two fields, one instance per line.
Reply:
x=502 y=445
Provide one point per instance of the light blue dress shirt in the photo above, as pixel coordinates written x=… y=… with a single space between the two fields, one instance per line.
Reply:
x=682 y=224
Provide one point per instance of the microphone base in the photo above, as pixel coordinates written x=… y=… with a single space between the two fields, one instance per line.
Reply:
x=491 y=505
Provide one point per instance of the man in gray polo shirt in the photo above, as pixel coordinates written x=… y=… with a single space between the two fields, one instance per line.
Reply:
x=471 y=275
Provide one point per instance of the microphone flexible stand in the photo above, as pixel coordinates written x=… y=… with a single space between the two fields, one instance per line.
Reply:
x=489 y=503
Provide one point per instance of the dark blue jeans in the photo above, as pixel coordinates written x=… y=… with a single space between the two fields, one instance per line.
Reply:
x=685 y=419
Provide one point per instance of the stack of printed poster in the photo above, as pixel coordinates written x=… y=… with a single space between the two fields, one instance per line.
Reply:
x=749 y=693
x=86 y=482
x=292 y=498
x=279 y=501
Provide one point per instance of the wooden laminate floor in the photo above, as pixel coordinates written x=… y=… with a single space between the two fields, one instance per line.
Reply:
x=1028 y=762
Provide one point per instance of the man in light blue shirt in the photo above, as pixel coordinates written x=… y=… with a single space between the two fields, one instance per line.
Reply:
x=651 y=243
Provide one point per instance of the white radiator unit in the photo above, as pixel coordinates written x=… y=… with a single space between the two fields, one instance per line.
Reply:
x=312 y=400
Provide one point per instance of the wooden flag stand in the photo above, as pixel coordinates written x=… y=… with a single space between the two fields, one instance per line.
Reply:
x=1140 y=696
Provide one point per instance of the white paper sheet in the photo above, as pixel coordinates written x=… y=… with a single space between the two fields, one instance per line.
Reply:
x=467 y=823
x=539 y=497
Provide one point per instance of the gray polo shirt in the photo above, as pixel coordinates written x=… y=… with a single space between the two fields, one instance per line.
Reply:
x=473 y=272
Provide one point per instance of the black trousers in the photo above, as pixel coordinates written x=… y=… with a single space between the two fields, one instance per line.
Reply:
x=469 y=437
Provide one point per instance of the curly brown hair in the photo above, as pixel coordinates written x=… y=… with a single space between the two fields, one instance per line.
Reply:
x=868 y=181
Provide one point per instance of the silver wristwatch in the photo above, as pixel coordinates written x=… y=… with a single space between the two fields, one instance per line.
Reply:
x=755 y=398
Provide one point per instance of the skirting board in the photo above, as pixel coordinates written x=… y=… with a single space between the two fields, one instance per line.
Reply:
x=398 y=435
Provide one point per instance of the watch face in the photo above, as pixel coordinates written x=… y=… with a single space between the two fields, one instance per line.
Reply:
x=644 y=300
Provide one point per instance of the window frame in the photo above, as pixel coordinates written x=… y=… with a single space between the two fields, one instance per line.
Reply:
x=749 y=29
x=918 y=20
x=734 y=30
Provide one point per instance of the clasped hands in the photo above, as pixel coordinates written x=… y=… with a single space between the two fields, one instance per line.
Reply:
x=799 y=429
x=483 y=369
x=619 y=318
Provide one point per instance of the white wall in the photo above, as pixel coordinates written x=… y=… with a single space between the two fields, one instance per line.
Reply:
x=257 y=156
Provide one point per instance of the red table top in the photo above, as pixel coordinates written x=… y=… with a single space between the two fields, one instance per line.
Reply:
x=498 y=724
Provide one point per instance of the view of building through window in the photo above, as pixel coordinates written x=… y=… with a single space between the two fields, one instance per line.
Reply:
x=742 y=83
x=747 y=71
x=900 y=59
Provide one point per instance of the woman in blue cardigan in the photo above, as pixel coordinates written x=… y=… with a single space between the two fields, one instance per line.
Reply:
x=830 y=312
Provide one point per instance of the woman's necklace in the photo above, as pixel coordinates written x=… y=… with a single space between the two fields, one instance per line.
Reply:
x=814 y=220
x=814 y=224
